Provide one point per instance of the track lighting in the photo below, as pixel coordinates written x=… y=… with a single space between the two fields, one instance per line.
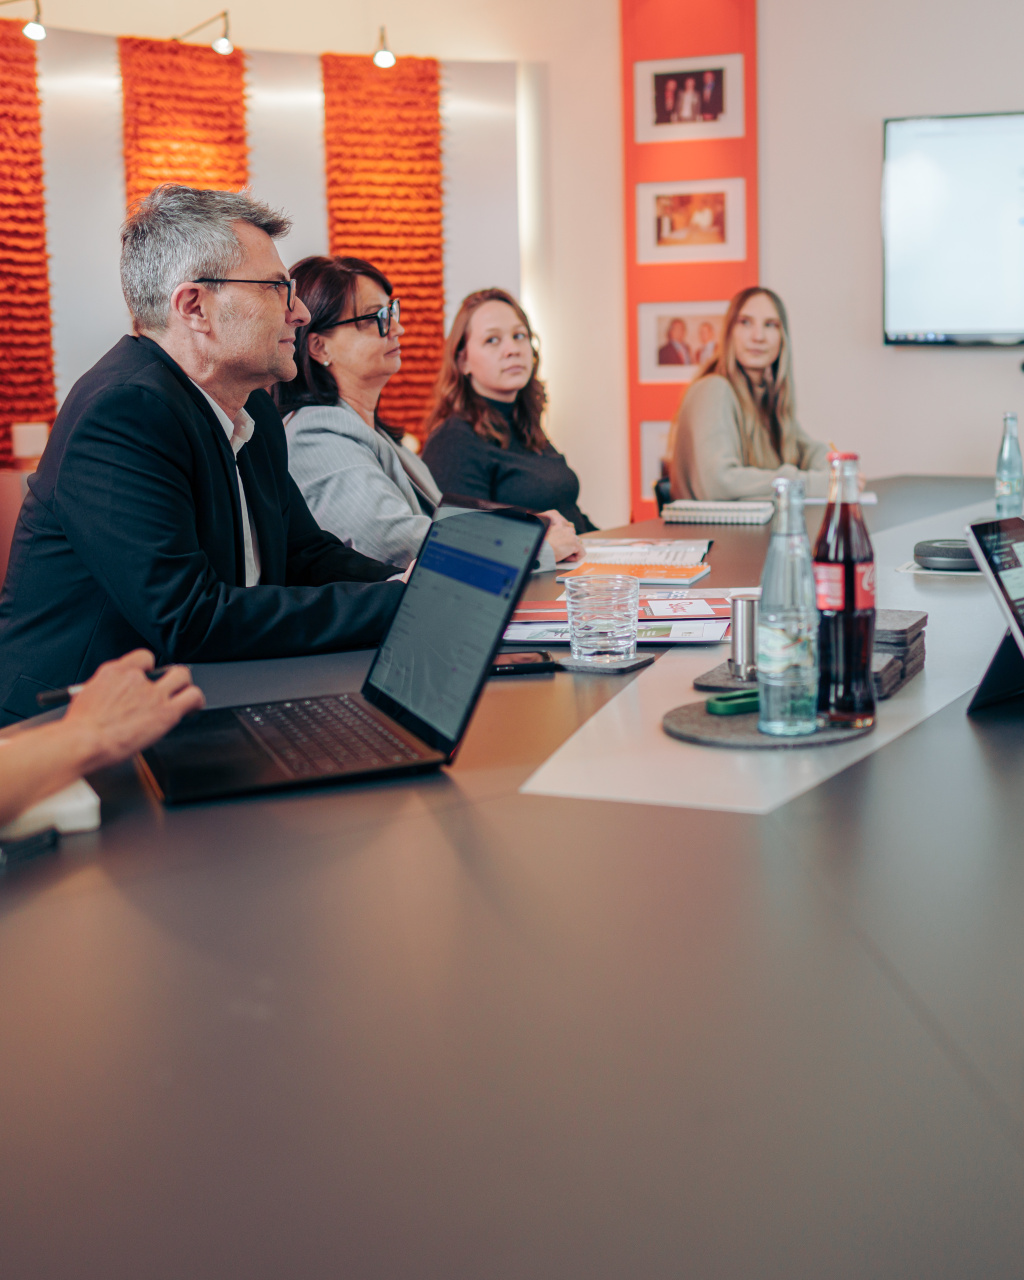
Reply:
x=34 y=28
x=383 y=57
x=222 y=44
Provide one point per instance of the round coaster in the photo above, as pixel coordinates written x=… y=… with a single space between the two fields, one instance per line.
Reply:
x=693 y=724
x=721 y=680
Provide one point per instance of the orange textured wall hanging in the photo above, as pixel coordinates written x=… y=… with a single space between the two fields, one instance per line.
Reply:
x=184 y=116
x=26 y=350
x=382 y=130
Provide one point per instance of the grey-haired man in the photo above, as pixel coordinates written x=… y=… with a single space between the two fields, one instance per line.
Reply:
x=162 y=514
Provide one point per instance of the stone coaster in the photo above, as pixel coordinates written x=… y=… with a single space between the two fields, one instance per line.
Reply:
x=721 y=680
x=693 y=724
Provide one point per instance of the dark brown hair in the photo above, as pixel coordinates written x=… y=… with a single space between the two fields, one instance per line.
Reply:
x=454 y=396
x=328 y=288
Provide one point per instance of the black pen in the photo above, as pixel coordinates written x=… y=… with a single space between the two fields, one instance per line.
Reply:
x=13 y=852
x=57 y=697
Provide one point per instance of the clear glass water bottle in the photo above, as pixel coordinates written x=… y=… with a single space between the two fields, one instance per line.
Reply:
x=1009 y=473
x=787 y=630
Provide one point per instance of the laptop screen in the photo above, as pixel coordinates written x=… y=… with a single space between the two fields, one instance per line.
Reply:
x=453 y=613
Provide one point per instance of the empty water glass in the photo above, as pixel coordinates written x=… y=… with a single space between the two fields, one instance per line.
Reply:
x=603 y=610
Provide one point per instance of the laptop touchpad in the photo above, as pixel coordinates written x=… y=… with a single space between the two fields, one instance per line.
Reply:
x=210 y=754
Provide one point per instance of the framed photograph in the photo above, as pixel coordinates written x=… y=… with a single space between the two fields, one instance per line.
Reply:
x=680 y=99
x=704 y=221
x=653 y=447
x=676 y=338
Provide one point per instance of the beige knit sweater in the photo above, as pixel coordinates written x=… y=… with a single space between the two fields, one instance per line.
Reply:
x=713 y=456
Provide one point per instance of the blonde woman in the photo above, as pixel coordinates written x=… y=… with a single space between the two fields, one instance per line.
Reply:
x=734 y=431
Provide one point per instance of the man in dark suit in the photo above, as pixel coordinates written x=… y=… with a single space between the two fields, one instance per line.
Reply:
x=676 y=350
x=162 y=514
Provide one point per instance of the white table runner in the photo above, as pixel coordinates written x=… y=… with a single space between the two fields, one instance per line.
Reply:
x=623 y=754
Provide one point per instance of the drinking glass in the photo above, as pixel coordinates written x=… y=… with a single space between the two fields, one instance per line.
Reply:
x=602 y=617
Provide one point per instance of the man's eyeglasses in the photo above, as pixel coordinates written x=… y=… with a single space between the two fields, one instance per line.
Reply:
x=277 y=284
x=383 y=317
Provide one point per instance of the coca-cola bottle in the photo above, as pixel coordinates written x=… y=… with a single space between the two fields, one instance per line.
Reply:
x=844 y=581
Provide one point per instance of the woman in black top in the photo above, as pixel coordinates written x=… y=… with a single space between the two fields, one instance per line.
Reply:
x=485 y=437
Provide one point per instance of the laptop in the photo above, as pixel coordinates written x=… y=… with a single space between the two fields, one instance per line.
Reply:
x=416 y=701
x=998 y=547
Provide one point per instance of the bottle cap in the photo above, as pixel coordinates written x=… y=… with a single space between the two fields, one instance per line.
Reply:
x=835 y=456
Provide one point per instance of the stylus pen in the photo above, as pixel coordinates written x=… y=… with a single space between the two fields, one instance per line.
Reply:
x=57 y=697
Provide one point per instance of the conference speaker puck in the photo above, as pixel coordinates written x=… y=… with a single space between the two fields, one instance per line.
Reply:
x=945 y=553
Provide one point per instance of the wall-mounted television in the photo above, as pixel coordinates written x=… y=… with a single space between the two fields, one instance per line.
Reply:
x=953 y=230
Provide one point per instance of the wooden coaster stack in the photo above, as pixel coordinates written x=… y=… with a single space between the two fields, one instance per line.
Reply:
x=899 y=649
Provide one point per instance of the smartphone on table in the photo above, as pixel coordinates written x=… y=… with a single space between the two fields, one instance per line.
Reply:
x=533 y=663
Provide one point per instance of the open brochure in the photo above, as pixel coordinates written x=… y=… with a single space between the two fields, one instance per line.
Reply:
x=693 y=631
x=671 y=606
x=651 y=560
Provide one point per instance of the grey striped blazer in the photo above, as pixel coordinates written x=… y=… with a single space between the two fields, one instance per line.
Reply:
x=373 y=494
x=359 y=484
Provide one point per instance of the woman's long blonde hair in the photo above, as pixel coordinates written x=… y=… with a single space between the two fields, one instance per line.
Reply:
x=775 y=409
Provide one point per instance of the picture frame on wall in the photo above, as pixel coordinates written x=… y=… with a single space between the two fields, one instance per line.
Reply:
x=676 y=338
x=696 y=221
x=684 y=99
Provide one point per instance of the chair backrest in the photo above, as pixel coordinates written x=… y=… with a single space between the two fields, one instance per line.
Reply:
x=13 y=486
x=663 y=487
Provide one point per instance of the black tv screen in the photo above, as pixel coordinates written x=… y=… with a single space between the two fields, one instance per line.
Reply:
x=953 y=230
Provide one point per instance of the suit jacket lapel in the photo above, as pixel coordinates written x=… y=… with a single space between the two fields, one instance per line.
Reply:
x=222 y=448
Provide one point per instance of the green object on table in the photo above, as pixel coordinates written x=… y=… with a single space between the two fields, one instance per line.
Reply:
x=732 y=704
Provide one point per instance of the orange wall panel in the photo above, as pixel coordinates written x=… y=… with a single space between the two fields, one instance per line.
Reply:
x=382 y=135
x=26 y=351
x=184 y=116
x=657 y=30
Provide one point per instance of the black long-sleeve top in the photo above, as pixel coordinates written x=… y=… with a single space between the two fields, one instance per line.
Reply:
x=463 y=462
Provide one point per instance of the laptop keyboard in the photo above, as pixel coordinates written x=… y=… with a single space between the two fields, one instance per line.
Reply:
x=316 y=736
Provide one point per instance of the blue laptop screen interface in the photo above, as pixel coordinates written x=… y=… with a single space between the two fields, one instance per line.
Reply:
x=453 y=611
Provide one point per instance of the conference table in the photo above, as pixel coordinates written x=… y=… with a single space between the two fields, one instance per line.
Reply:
x=441 y=1028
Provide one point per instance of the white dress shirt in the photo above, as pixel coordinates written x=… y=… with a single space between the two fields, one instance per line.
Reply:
x=238 y=433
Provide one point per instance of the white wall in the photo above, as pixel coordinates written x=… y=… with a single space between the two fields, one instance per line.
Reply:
x=573 y=275
x=83 y=166
x=829 y=75
x=481 y=193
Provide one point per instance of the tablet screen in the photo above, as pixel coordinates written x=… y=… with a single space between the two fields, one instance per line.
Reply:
x=1002 y=542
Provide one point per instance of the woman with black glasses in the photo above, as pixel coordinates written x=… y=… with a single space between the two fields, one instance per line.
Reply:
x=358 y=480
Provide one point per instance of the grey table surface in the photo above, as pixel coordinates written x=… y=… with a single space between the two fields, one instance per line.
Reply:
x=438 y=1028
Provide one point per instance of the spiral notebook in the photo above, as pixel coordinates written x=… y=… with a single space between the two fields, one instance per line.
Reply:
x=690 y=511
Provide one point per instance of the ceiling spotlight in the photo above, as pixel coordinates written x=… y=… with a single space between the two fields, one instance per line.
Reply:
x=34 y=28
x=222 y=44
x=383 y=57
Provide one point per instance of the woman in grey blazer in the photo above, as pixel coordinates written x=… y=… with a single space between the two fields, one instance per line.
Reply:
x=359 y=481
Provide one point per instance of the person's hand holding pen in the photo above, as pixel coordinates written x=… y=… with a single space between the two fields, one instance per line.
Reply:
x=121 y=709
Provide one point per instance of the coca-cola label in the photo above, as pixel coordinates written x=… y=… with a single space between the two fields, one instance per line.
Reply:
x=864 y=586
x=830 y=586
